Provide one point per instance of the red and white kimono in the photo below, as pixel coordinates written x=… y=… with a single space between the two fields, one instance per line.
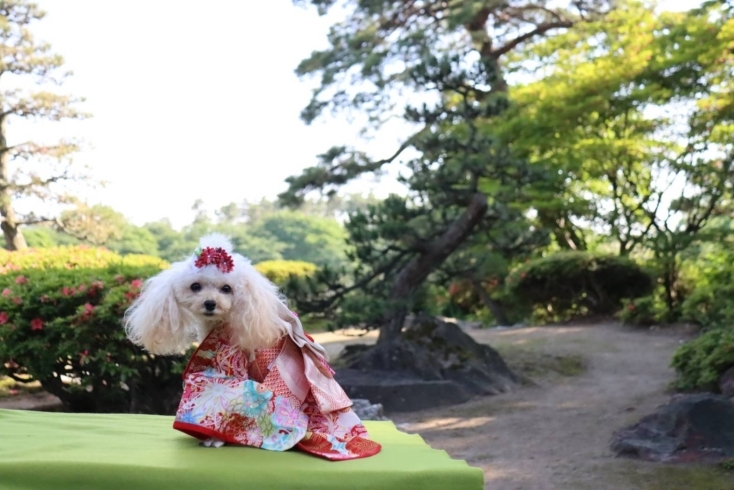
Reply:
x=276 y=399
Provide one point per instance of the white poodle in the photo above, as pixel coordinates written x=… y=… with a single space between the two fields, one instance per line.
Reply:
x=184 y=303
x=217 y=298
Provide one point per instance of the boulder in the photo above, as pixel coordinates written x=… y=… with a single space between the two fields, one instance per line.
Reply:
x=690 y=428
x=434 y=363
x=366 y=410
x=726 y=383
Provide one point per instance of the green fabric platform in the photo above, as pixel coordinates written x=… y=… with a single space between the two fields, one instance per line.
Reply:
x=60 y=451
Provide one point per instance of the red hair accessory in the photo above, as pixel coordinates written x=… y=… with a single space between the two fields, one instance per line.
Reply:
x=217 y=257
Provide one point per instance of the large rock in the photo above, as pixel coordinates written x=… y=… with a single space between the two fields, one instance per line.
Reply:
x=689 y=428
x=366 y=410
x=433 y=364
x=726 y=383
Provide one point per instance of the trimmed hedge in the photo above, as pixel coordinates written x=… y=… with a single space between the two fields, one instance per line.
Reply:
x=568 y=284
x=60 y=324
x=279 y=271
x=72 y=257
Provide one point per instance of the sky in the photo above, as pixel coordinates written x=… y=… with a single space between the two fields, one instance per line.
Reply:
x=192 y=100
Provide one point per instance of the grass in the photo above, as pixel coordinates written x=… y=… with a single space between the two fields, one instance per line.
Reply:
x=531 y=362
x=314 y=325
x=682 y=477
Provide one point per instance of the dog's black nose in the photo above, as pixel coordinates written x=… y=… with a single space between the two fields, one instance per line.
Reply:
x=210 y=305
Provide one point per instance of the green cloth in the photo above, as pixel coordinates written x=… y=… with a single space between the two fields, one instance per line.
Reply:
x=61 y=451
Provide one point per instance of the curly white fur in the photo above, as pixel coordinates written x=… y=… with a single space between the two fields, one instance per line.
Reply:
x=182 y=304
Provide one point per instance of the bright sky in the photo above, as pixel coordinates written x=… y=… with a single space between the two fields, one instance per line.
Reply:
x=191 y=100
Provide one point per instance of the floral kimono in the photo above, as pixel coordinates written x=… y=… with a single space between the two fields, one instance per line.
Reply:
x=276 y=399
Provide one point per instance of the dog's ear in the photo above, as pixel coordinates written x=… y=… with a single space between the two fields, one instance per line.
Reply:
x=155 y=320
x=255 y=318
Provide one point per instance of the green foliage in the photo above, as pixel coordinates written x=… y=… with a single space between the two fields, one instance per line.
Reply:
x=727 y=464
x=710 y=303
x=633 y=114
x=172 y=245
x=701 y=361
x=134 y=240
x=95 y=225
x=642 y=312
x=280 y=271
x=60 y=324
x=314 y=239
x=46 y=237
x=71 y=257
x=568 y=284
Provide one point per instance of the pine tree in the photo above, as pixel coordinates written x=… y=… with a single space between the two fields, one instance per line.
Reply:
x=461 y=182
x=23 y=58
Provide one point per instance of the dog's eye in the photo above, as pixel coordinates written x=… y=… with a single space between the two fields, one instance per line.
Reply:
x=196 y=287
x=226 y=289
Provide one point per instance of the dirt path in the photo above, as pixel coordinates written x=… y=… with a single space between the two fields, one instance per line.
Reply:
x=556 y=435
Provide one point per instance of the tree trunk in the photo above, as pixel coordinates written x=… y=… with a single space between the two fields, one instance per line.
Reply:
x=492 y=305
x=11 y=229
x=418 y=269
x=670 y=277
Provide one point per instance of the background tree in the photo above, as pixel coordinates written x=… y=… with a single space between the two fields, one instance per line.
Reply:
x=634 y=114
x=96 y=225
x=21 y=57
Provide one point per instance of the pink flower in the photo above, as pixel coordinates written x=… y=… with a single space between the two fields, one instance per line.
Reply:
x=7 y=292
x=98 y=285
x=21 y=280
x=18 y=300
x=66 y=291
x=136 y=283
x=82 y=288
x=88 y=308
x=36 y=324
x=3 y=318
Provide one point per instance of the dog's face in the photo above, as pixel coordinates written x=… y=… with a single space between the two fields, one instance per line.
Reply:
x=209 y=297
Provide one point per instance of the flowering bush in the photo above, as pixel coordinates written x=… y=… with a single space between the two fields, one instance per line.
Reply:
x=642 y=312
x=60 y=324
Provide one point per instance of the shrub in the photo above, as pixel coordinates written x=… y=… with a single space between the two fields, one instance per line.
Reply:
x=279 y=271
x=643 y=312
x=60 y=324
x=77 y=257
x=712 y=282
x=568 y=284
x=701 y=361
